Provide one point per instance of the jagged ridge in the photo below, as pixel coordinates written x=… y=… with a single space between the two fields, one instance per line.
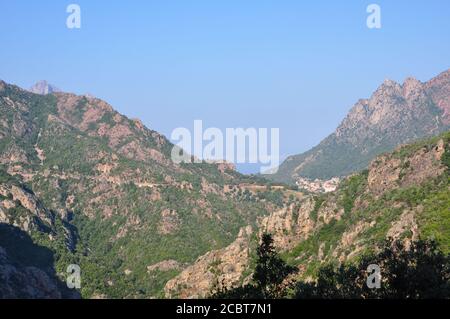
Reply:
x=395 y=114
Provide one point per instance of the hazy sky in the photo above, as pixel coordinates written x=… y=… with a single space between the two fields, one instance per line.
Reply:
x=295 y=65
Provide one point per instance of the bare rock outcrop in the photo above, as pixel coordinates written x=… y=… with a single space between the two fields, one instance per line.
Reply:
x=213 y=270
x=25 y=282
x=43 y=88
x=290 y=225
x=394 y=114
x=169 y=223
x=406 y=222
x=391 y=171
x=37 y=215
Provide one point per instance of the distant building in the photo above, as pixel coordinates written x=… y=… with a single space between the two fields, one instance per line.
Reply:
x=318 y=185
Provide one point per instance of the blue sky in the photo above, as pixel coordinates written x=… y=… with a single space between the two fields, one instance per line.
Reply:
x=295 y=65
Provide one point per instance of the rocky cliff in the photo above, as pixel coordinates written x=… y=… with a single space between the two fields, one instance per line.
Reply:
x=82 y=184
x=26 y=268
x=43 y=88
x=403 y=195
x=106 y=187
x=395 y=114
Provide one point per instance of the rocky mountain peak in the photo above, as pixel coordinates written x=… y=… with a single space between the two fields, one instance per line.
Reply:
x=388 y=88
x=394 y=114
x=439 y=89
x=412 y=82
x=389 y=83
x=412 y=88
x=43 y=88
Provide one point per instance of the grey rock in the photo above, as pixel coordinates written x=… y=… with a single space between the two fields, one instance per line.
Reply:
x=44 y=88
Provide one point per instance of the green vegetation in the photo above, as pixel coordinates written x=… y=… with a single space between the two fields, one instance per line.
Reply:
x=116 y=207
x=318 y=201
x=430 y=200
x=434 y=221
x=420 y=271
x=351 y=188
x=269 y=278
x=446 y=156
x=344 y=152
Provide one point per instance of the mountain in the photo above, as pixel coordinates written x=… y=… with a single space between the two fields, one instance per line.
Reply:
x=100 y=190
x=404 y=195
x=82 y=184
x=43 y=88
x=395 y=114
x=26 y=268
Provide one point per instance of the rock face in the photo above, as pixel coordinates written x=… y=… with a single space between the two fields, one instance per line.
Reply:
x=214 y=270
x=290 y=225
x=87 y=177
x=77 y=176
x=25 y=282
x=227 y=267
x=439 y=90
x=338 y=226
x=26 y=269
x=22 y=209
x=388 y=172
x=169 y=223
x=29 y=202
x=43 y=88
x=392 y=199
x=395 y=114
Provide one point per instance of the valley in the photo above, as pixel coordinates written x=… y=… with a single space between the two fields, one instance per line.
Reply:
x=83 y=184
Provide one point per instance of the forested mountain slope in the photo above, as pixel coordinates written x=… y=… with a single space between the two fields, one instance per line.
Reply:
x=111 y=180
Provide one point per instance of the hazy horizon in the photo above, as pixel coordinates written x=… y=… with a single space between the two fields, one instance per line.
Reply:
x=297 y=67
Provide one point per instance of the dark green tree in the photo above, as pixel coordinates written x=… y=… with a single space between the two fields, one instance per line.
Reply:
x=420 y=271
x=270 y=279
x=271 y=271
